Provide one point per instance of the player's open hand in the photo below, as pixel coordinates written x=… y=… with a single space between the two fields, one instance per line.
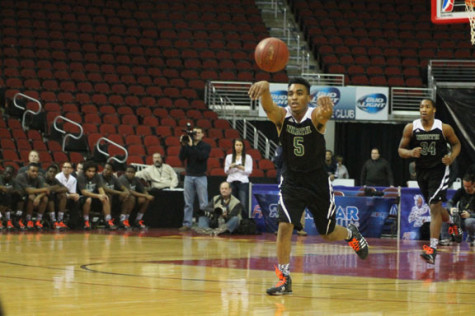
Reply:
x=258 y=89
x=326 y=104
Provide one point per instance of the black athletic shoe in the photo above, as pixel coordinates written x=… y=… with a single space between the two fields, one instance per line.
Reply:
x=110 y=225
x=358 y=242
x=283 y=287
x=429 y=254
x=455 y=229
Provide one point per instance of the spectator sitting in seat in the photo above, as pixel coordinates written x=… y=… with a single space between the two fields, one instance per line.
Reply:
x=140 y=197
x=160 y=175
x=93 y=195
x=223 y=212
x=78 y=170
x=35 y=194
x=66 y=178
x=118 y=194
x=33 y=157
x=9 y=196
x=57 y=197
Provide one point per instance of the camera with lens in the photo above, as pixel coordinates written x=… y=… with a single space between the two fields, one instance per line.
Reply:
x=185 y=139
x=218 y=211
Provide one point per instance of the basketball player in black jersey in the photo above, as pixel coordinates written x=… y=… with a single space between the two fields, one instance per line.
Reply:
x=427 y=139
x=304 y=181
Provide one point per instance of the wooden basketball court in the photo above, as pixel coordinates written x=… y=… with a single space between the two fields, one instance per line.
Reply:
x=163 y=272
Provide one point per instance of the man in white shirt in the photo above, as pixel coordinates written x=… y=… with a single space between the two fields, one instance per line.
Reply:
x=160 y=175
x=66 y=178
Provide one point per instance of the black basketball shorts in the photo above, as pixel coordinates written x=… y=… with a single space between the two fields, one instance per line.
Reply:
x=433 y=183
x=317 y=196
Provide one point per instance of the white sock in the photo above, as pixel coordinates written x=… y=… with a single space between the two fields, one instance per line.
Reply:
x=139 y=216
x=52 y=216
x=86 y=217
x=284 y=268
x=349 y=234
x=122 y=217
x=60 y=216
x=434 y=242
x=108 y=218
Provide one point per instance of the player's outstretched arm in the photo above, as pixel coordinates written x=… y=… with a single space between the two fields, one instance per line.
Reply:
x=322 y=113
x=260 y=90
x=454 y=143
x=405 y=142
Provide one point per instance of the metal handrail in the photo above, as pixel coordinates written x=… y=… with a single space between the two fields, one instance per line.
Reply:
x=107 y=154
x=258 y=139
x=23 y=121
x=62 y=131
x=323 y=79
x=451 y=73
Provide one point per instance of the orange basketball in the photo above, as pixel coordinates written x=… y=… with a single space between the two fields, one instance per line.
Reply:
x=271 y=54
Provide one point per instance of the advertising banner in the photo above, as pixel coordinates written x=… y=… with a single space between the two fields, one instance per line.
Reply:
x=367 y=213
x=351 y=103
x=414 y=212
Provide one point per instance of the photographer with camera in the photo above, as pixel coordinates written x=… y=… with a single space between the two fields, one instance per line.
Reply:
x=194 y=153
x=462 y=209
x=222 y=214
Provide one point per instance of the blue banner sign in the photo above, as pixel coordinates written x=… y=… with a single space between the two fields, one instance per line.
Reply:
x=414 y=212
x=368 y=213
x=350 y=103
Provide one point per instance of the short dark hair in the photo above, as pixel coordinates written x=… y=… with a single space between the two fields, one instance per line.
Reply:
x=299 y=80
x=431 y=101
x=469 y=177
x=131 y=167
x=110 y=164
x=34 y=164
x=54 y=166
x=89 y=164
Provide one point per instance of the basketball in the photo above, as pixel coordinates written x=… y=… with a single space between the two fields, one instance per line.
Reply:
x=271 y=54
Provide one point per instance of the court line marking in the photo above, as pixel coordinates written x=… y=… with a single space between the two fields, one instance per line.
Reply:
x=219 y=292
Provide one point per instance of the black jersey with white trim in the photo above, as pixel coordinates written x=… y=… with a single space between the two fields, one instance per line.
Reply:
x=303 y=145
x=433 y=143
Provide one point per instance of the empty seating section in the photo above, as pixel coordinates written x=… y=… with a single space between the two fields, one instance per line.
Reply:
x=133 y=71
x=392 y=40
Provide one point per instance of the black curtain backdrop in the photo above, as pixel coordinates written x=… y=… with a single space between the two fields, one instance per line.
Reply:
x=457 y=108
x=354 y=142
